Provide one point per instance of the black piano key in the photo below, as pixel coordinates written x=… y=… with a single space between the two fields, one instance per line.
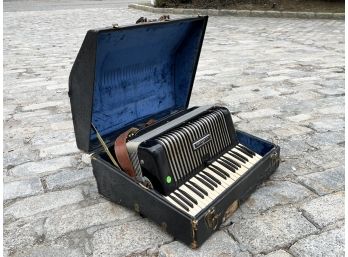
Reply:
x=236 y=156
x=227 y=165
x=210 y=181
x=219 y=169
x=222 y=174
x=195 y=190
x=179 y=202
x=245 y=150
x=212 y=177
x=188 y=196
x=231 y=161
x=205 y=183
x=240 y=156
x=198 y=187
x=187 y=202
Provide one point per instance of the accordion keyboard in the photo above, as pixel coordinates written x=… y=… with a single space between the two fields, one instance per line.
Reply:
x=203 y=188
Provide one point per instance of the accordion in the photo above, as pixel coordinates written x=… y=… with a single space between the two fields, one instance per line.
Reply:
x=187 y=169
x=192 y=159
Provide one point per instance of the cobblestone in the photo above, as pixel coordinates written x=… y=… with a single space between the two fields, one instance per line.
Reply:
x=325 y=182
x=258 y=113
x=273 y=230
x=123 y=240
x=36 y=168
x=328 y=125
x=283 y=80
x=68 y=178
x=273 y=194
x=87 y=217
x=49 y=251
x=330 y=244
x=279 y=253
x=219 y=245
x=325 y=160
x=21 y=234
x=325 y=210
x=22 y=188
x=56 y=150
x=43 y=202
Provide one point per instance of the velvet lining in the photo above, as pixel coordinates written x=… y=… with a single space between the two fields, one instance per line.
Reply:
x=143 y=72
x=259 y=146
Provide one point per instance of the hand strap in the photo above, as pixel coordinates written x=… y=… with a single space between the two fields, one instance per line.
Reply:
x=121 y=152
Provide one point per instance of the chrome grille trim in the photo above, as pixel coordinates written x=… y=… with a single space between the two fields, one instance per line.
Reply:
x=178 y=143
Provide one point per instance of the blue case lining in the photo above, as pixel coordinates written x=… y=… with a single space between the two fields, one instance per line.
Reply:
x=143 y=72
x=259 y=146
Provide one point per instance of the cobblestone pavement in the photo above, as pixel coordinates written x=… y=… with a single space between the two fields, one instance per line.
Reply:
x=49 y=5
x=283 y=80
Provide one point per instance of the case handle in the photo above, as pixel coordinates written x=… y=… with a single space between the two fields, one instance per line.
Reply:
x=145 y=20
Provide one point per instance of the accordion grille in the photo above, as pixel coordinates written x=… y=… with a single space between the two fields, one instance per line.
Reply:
x=188 y=146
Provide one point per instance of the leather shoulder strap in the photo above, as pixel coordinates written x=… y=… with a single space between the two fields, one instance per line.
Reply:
x=121 y=152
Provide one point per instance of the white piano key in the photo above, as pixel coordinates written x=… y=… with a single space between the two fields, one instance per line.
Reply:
x=241 y=170
x=252 y=160
x=247 y=164
x=256 y=157
x=193 y=210
x=235 y=166
x=200 y=202
x=234 y=175
x=222 y=181
x=218 y=189
x=211 y=193
x=237 y=151
x=187 y=197
x=209 y=197
x=188 y=187
x=225 y=181
x=175 y=204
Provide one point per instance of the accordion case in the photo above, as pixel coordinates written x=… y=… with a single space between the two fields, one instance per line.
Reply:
x=201 y=168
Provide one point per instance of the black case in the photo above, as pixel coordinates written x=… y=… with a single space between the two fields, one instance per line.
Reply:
x=122 y=77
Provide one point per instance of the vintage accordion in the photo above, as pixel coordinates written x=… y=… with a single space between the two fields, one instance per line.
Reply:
x=194 y=158
x=189 y=168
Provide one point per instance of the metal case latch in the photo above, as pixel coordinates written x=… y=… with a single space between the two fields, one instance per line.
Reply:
x=275 y=158
x=211 y=219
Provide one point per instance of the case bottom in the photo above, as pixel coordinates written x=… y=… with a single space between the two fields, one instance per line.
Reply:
x=117 y=187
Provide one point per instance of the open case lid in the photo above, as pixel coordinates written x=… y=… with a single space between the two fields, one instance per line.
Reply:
x=126 y=75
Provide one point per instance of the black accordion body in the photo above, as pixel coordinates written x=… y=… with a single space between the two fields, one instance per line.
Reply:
x=174 y=152
x=200 y=168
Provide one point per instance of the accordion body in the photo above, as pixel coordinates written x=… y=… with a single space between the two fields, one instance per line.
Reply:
x=181 y=148
x=200 y=167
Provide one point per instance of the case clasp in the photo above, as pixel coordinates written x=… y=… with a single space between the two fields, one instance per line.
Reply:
x=275 y=158
x=212 y=218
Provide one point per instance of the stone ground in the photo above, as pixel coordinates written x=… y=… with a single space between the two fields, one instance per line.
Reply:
x=283 y=80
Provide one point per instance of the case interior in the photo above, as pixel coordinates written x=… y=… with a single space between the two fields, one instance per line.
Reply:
x=124 y=76
x=142 y=72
